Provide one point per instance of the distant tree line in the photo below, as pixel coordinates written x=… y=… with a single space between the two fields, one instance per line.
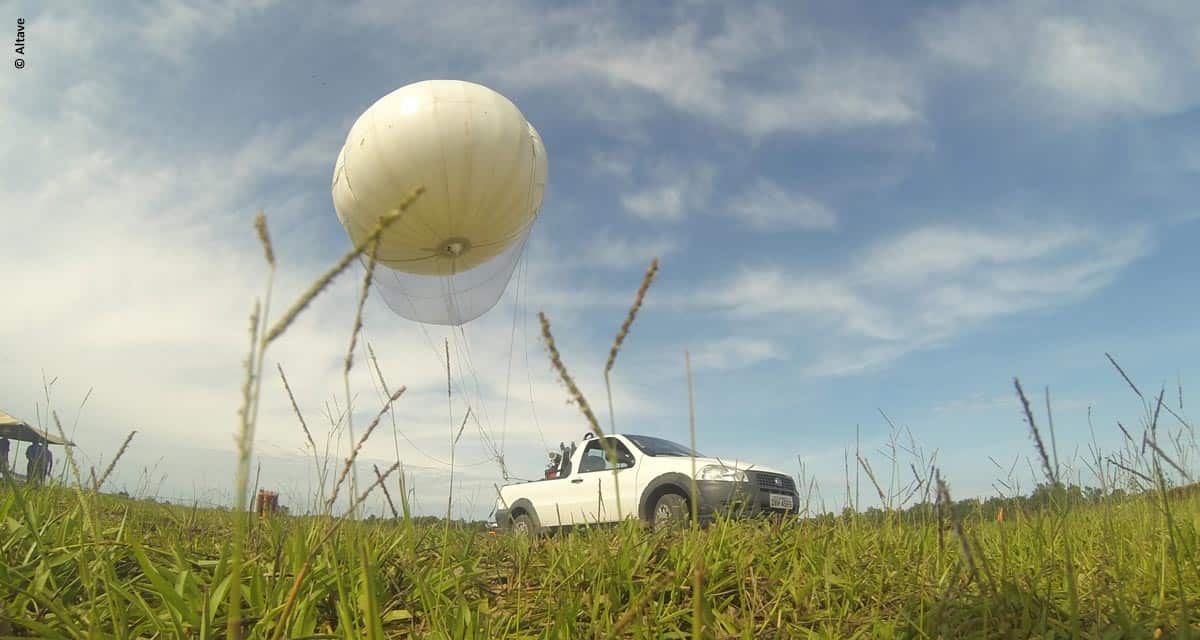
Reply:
x=1044 y=496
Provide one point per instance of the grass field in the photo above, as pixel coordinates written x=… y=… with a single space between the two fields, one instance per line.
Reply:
x=1119 y=561
x=79 y=564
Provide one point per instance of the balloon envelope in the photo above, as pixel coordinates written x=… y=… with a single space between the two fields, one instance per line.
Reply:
x=449 y=257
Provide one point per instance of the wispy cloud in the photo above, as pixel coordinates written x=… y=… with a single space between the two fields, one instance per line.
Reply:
x=171 y=29
x=913 y=258
x=670 y=193
x=706 y=62
x=767 y=207
x=766 y=69
x=610 y=251
x=980 y=403
x=736 y=352
x=927 y=286
x=1118 y=60
x=664 y=190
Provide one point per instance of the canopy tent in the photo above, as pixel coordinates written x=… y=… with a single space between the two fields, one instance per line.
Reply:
x=17 y=429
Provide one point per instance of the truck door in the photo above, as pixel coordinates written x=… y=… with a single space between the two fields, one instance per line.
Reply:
x=598 y=498
x=626 y=477
x=582 y=499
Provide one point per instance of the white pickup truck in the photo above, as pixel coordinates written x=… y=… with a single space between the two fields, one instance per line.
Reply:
x=655 y=481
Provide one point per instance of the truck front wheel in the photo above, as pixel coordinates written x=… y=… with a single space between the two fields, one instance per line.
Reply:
x=670 y=512
x=523 y=526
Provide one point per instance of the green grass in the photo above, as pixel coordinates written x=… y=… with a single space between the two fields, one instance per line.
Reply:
x=91 y=565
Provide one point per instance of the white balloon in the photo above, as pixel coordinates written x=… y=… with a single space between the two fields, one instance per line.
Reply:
x=449 y=257
x=481 y=163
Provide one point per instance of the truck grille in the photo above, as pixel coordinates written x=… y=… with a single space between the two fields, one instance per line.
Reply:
x=775 y=482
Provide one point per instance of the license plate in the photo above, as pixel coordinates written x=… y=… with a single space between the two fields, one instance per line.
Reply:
x=778 y=501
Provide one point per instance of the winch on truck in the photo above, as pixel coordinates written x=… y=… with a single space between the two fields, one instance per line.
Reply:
x=653 y=479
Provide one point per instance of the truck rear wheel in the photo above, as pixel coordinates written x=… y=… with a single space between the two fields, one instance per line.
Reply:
x=670 y=512
x=523 y=526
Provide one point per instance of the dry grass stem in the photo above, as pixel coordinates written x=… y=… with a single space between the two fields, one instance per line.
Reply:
x=386 y=493
x=1129 y=470
x=577 y=396
x=112 y=465
x=362 y=301
x=245 y=434
x=572 y=388
x=1125 y=376
x=866 y=466
x=296 y=408
x=1053 y=439
x=964 y=545
x=245 y=440
x=1151 y=440
x=260 y=225
x=358 y=447
x=379 y=480
x=620 y=338
x=1051 y=476
x=633 y=311
x=70 y=456
x=307 y=297
x=378 y=370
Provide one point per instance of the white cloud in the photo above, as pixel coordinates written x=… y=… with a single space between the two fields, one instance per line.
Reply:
x=926 y=287
x=815 y=92
x=766 y=206
x=613 y=165
x=837 y=94
x=818 y=300
x=671 y=193
x=976 y=403
x=1103 y=69
x=918 y=255
x=666 y=191
x=171 y=29
x=610 y=251
x=161 y=29
x=736 y=352
x=1116 y=60
x=767 y=68
x=618 y=71
x=981 y=403
x=664 y=203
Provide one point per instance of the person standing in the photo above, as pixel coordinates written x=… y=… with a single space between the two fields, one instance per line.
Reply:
x=32 y=453
x=37 y=466
x=3 y=457
x=48 y=464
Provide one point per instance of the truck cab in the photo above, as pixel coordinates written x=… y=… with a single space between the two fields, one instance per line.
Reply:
x=624 y=476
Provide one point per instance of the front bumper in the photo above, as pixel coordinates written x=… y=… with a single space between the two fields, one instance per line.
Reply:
x=744 y=499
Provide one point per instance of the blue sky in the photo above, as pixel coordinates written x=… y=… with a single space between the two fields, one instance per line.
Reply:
x=855 y=209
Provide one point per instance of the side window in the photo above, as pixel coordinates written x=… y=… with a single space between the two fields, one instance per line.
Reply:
x=595 y=459
x=624 y=458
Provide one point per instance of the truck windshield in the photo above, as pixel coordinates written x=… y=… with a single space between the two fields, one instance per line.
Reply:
x=659 y=447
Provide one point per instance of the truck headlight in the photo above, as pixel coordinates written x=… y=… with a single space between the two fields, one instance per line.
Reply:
x=722 y=473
